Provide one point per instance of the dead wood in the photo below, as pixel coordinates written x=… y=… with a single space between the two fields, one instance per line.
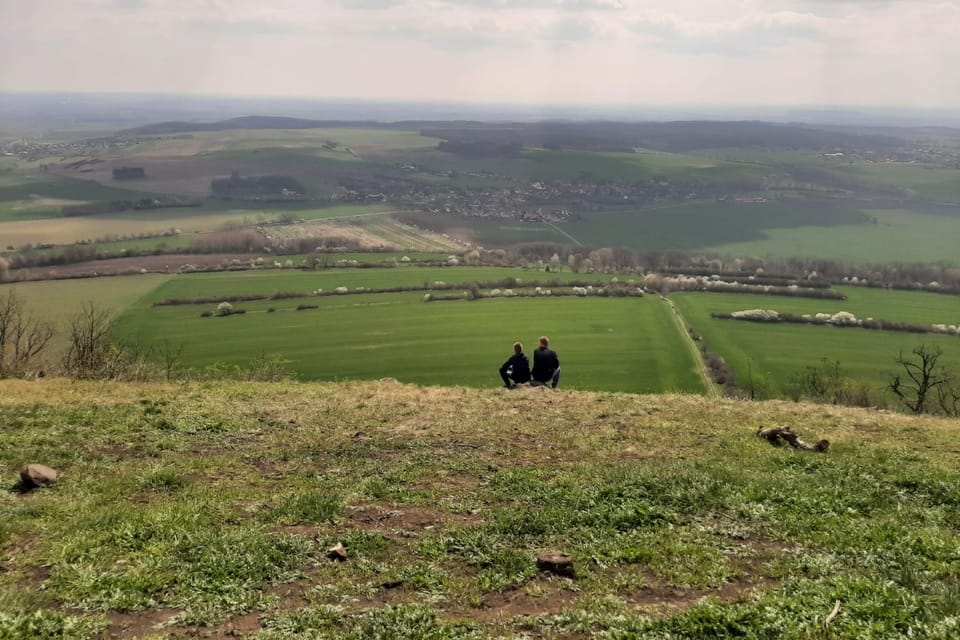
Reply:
x=778 y=435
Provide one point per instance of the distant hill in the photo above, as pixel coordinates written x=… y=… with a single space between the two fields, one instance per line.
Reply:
x=678 y=136
x=246 y=122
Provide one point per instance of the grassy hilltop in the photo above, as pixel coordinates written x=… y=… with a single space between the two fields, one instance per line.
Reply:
x=207 y=509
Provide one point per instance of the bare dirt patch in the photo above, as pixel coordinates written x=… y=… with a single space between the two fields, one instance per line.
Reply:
x=502 y=607
x=131 y=266
x=138 y=624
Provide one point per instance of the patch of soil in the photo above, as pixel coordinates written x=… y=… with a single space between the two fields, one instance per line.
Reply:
x=127 y=266
x=138 y=624
x=672 y=600
x=502 y=607
x=303 y=530
x=30 y=577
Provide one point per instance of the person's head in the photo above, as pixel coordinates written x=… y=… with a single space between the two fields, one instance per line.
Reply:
x=517 y=347
x=544 y=342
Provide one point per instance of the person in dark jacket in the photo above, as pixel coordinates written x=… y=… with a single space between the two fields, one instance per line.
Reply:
x=516 y=370
x=546 y=364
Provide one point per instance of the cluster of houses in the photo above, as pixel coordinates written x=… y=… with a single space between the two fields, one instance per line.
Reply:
x=31 y=150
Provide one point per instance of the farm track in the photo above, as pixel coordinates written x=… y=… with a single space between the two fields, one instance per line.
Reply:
x=711 y=389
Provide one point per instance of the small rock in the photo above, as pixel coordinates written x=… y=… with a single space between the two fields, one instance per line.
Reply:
x=337 y=552
x=34 y=476
x=557 y=563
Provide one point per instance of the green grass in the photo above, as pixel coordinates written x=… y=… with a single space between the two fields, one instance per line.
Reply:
x=268 y=282
x=771 y=353
x=897 y=236
x=29 y=199
x=570 y=165
x=708 y=225
x=942 y=185
x=57 y=300
x=355 y=139
x=615 y=344
x=214 y=504
x=67 y=189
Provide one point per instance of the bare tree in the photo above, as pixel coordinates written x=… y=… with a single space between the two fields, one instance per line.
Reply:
x=88 y=344
x=924 y=377
x=23 y=337
x=948 y=397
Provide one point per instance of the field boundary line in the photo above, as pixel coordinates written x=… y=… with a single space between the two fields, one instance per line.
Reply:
x=711 y=388
x=352 y=215
x=555 y=227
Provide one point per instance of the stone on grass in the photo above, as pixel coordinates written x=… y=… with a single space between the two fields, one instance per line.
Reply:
x=337 y=552
x=34 y=476
x=557 y=563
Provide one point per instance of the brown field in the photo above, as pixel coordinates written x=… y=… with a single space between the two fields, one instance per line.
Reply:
x=176 y=175
x=369 y=232
x=129 y=266
x=76 y=229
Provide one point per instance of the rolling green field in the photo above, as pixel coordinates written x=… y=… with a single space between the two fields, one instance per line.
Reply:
x=29 y=198
x=615 y=344
x=771 y=353
x=569 y=165
x=57 y=300
x=701 y=225
x=938 y=184
x=897 y=236
x=204 y=285
x=369 y=140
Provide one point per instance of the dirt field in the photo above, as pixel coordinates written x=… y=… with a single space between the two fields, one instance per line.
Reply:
x=76 y=229
x=129 y=266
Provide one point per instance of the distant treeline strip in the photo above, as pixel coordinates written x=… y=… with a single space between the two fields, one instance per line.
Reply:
x=119 y=206
x=436 y=286
x=868 y=323
x=800 y=292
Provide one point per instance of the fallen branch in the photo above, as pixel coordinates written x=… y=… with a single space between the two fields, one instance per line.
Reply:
x=833 y=614
x=778 y=435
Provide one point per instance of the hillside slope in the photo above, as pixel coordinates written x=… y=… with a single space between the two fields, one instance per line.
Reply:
x=207 y=510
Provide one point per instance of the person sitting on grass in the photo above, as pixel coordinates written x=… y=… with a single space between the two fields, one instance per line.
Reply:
x=546 y=365
x=516 y=370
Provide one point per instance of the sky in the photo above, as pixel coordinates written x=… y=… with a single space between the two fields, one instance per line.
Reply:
x=898 y=53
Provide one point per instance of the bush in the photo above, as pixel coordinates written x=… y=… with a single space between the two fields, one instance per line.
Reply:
x=206 y=314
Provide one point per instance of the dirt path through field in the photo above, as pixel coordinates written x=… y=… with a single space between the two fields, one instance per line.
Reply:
x=712 y=390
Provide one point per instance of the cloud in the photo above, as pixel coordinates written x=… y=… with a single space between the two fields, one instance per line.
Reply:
x=372 y=4
x=558 y=5
x=487 y=5
x=747 y=35
x=568 y=30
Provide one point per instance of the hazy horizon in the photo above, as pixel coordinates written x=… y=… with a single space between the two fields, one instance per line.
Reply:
x=85 y=109
x=572 y=53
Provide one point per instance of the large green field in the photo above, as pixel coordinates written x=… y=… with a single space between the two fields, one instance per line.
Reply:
x=697 y=226
x=57 y=300
x=896 y=236
x=935 y=183
x=771 y=353
x=614 y=344
x=30 y=198
x=269 y=282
